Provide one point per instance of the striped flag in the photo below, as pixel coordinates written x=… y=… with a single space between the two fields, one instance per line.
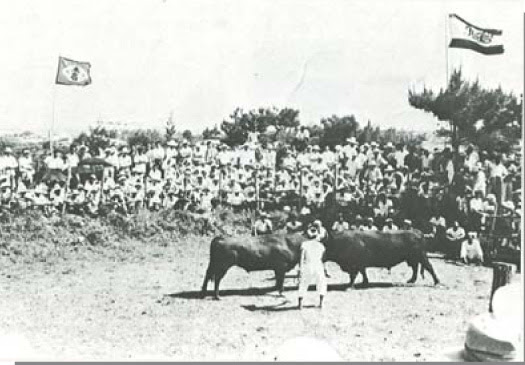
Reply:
x=468 y=36
x=72 y=72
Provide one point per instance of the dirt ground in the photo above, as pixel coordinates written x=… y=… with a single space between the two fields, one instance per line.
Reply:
x=147 y=307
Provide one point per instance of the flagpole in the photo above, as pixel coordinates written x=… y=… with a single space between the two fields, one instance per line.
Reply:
x=452 y=125
x=446 y=50
x=52 y=129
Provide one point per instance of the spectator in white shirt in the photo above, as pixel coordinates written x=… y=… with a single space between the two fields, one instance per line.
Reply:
x=56 y=162
x=390 y=226
x=25 y=165
x=340 y=224
x=455 y=235
x=369 y=226
x=471 y=251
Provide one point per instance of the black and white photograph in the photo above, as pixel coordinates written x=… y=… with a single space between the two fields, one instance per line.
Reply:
x=229 y=180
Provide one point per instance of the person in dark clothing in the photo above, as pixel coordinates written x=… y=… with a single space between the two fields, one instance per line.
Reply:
x=412 y=161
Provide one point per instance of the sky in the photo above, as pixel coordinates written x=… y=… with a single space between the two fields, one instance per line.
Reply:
x=200 y=59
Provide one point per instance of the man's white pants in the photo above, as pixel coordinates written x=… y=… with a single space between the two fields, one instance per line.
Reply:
x=312 y=275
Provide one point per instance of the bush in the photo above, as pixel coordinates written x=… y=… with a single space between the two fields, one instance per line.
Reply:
x=31 y=236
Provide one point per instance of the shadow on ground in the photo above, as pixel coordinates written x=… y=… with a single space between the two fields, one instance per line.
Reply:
x=248 y=292
x=275 y=308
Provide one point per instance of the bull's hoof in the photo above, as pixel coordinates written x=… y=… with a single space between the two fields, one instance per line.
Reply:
x=411 y=281
x=216 y=297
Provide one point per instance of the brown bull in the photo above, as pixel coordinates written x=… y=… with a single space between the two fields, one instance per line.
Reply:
x=354 y=251
x=277 y=252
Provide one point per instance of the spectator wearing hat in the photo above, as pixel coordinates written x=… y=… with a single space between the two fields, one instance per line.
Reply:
x=369 y=225
x=350 y=148
x=111 y=158
x=389 y=225
x=171 y=150
x=124 y=160
x=262 y=225
x=407 y=225
x=185 y=152
x=471 y=251
x=356 y=222
x=236 y=198
x=206 y=200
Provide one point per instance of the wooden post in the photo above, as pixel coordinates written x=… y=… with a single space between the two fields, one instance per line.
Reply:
x=257 y=202
x=220 y=185
x=502 y=275
x=68 y=181
x=335 y=182
x=300 y=189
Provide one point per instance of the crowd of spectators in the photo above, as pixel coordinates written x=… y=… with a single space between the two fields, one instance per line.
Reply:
x=372 y=186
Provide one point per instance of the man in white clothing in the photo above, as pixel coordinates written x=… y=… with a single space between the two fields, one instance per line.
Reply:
x=312 y=270
x=471 y=251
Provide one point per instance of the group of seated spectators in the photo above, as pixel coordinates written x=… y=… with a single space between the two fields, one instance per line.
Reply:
x=369 y=186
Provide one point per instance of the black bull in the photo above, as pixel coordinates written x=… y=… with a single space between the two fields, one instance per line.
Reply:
x=353 y=251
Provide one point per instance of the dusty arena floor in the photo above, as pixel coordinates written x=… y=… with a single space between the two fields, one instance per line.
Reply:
x=93 y=307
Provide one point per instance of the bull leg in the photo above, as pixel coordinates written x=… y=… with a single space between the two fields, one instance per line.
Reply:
x=279 y=281
x=218 y=277
x=205 y=282
x=414 y=272
x=428 y=267
x=365 y=277
x=353 y=274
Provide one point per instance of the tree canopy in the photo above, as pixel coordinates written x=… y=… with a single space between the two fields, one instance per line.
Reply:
x=241 y=123
x=337 y=129
x=475 y=115
x=97 y=139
